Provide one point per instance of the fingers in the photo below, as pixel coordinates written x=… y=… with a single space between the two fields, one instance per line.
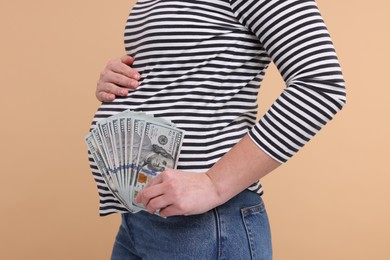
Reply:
x=105 y=97
x=116 y=78
x=127 y=70
x=157 y=203
x=127 y=59
x=123 y=69
x=156 y=195
x=148 y=193
x=111 y=76
x=179 y=193
x=174 y=209
x=107 y=92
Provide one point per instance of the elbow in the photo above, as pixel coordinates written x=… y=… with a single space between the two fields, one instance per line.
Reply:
x=337 y=95
x=342 y=96
x=327 y=96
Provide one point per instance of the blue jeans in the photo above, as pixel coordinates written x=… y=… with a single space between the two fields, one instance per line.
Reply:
x=238 y=229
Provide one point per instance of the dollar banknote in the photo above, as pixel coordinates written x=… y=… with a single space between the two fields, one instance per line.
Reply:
x=130 y=149
x=101 y=165
x=160 y=148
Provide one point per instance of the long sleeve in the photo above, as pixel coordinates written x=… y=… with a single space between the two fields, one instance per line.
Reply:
x=295 y=37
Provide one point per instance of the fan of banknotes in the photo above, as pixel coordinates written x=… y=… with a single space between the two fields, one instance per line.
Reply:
x=130 y=148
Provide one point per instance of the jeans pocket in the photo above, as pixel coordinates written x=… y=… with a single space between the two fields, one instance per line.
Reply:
x=258 y=231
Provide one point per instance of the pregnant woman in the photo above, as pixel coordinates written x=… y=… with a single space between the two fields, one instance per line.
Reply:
x=199 y=64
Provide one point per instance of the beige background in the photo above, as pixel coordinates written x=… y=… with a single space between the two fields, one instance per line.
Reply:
x=331 y=201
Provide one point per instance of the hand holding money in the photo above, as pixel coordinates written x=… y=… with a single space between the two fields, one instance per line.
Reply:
x=130 y=149
x=176 y=193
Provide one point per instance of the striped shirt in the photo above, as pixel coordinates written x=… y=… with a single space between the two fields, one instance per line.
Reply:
x=202 y=63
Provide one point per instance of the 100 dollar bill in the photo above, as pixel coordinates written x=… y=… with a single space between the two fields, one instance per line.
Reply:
x=130 y=149
x=160 y=149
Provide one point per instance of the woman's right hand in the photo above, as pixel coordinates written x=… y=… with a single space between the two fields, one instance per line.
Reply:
x=116 y=79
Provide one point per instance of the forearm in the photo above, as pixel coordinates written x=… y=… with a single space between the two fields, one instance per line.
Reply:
x=243 y=165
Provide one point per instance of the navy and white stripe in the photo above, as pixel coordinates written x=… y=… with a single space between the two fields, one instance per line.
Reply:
x=297 y=40
x=202 y=63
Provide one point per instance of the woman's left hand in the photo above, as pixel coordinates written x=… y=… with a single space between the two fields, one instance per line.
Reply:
x=175 y=192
